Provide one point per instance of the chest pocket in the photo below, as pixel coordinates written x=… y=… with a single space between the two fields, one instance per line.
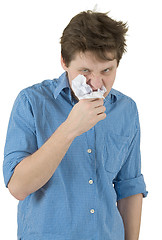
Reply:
x=114 y=152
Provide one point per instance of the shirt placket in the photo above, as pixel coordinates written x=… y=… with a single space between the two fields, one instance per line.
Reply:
x=91 y=151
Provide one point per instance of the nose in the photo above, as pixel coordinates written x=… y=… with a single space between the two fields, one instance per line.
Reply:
x=94 y=81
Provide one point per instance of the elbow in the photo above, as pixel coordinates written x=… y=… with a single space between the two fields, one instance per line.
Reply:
x=18 y=196
x=16 y=193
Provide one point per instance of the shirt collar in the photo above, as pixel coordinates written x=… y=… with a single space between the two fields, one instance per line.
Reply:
x=112 y=97
x=63 y=82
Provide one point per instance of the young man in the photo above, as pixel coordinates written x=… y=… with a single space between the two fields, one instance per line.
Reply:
x=70 y=161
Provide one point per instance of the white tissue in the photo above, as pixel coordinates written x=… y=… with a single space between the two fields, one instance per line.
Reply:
x=83 y=90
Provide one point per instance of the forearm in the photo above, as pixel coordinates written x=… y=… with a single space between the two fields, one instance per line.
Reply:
x=35 y=170
x=130 y=209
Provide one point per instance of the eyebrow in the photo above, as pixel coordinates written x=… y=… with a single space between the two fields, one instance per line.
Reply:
x=82 y=68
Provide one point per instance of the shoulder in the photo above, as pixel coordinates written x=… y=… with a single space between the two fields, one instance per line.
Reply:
x=126 y=108
x=123 y=99
x=38 y=91
x=121 y=96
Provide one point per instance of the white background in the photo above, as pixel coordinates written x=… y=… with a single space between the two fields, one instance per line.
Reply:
x=30 y=53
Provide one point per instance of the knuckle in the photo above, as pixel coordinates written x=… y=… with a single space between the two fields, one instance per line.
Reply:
x=102 y=101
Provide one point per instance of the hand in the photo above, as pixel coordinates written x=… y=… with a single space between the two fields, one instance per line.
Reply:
x=85 y=114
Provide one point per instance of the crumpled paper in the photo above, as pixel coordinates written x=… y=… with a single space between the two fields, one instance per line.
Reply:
x=83 y=90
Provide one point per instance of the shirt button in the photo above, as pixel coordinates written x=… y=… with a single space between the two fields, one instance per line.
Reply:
x=92 y=211
x=89 y=150
x=90 y=181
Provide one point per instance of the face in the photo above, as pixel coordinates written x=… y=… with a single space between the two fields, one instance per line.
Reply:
x=97 y=72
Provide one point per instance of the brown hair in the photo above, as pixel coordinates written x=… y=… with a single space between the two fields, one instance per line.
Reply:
x=96 y=32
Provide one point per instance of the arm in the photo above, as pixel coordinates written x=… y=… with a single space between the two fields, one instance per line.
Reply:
x=35 y=170
x=130 y=209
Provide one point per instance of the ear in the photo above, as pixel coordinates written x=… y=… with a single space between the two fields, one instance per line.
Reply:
x=63 y=64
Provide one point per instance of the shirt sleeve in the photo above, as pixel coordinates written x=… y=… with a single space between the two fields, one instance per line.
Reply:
x=129 y=180
x=21 y=136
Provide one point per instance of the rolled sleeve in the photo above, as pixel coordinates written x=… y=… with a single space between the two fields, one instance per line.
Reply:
x=130 y=187
x=21 y=136
x=129 y=180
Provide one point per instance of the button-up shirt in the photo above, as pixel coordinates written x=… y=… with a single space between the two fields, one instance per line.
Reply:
x=100 y=167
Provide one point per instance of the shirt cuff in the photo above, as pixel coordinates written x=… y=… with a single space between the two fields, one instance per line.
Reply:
x=9 y=166
x=126 y=188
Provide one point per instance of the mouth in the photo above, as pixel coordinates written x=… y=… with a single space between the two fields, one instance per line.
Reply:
x=93 y=89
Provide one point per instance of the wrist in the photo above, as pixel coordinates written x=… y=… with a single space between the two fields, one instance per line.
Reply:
x=69 y=132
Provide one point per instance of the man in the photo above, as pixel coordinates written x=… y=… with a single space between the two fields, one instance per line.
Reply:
x=70 y=161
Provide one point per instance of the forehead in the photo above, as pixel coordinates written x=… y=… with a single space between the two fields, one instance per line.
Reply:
x=84 y=59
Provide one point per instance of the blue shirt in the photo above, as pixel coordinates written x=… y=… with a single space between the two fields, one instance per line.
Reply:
x=100 y=167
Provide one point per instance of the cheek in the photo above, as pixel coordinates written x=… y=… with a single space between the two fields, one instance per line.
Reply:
x=72 y=75
x=109 y=81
